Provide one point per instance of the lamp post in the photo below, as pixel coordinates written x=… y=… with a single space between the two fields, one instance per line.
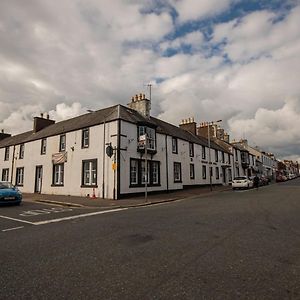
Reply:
x=209 y=159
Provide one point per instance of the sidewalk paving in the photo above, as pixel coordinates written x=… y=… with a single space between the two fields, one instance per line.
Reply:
x=75 y=201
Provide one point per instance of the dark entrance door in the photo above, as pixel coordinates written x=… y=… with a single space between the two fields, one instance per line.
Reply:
x=38 y=179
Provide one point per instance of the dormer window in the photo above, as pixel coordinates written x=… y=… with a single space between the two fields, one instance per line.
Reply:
x=143 y=132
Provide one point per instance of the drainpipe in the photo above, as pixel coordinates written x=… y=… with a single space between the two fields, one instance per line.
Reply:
x=12 y=165
x=167 y=163
x=103 y=161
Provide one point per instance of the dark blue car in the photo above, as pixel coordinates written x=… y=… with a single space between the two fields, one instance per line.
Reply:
x=9 y=194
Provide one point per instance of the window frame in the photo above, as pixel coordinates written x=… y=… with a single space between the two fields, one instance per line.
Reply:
x=6 y=153
x=175 y=165
x=91 y=163
x=139 y=174
x=204 y=172
x=84 y=138
x=191 y=149
x=61 y=137
x=20 y=176
x=151 y=135
x=21 y=151
x=217 y=173
x=192 y=171
x=174 y=143
x=43 y=146
x=61 y=170
x=203 y=152
x=3 y=171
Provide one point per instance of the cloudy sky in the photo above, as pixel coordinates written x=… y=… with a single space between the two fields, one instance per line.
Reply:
x=235 y=60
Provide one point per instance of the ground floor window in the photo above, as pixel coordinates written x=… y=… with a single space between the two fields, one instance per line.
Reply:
x=20 y=176
x=192 y=171
x=89 y=172
x=217 y=173
x=203 y=172
x=58 y=174
x=177 y=172
x=5 y=173
x=138 y=175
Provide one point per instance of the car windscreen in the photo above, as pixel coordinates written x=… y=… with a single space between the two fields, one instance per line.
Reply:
x=240 y=178
x=6 y=185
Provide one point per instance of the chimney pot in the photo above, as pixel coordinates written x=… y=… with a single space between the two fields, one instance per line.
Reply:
x=41 y=115
x=136 y=97
x=2 y=130
x=47 y=116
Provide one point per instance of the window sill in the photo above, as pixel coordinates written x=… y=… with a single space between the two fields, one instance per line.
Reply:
x=19 y=185
x=177 y=181
x=142 y=185
x=89 y=186
x=59 y=185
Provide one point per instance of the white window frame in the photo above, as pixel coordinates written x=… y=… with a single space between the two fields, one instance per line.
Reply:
x=85 y=138
x=177 y=172
x=5 y=174
x=21 y=152
x=20 y=176
x=155 y=172
x=58 y=174
x=89 y=172
x=62 y=143
x=174 y=145
x=43 y=146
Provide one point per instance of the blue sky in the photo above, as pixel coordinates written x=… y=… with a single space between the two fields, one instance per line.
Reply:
x=233 y=60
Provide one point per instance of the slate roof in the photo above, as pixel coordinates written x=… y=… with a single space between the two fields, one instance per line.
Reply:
x=106 y=115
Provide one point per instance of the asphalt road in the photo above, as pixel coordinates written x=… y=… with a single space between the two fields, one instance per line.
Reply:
x=232 y=245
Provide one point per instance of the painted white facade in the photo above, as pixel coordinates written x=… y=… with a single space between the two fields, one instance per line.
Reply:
x=113 y=179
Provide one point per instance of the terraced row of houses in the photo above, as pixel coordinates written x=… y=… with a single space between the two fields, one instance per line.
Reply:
x=101 y=153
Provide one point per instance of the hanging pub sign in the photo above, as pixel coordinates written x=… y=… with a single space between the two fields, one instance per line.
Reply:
x=109 y=151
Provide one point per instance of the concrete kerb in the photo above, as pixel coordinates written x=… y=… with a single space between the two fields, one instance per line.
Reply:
x=68 y=204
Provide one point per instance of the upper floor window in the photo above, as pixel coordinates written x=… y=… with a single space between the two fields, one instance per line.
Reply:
x=191 y=149
x=6 y=154
x=223 y=157
x=89 y=172
x=236 y=155
x=5 y=173
x=150 y=137
x=43 y=146
x=177 y=172
x=216 y=155
x=20 y=176
x=85 y=142
x=174 y=145
x=21 y=153
x=203 y=152
x=229 y=158
x=62 y=143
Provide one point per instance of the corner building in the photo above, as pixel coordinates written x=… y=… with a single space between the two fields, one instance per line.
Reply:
x=99 y=154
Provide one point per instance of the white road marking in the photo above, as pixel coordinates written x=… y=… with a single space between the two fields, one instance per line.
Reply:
x=79 y=216
x=18 y=220
x=14 y=228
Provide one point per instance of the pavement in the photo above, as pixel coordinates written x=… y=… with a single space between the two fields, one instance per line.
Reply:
x=75 y=201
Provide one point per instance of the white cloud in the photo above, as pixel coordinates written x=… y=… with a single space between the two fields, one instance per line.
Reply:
x=197 y=9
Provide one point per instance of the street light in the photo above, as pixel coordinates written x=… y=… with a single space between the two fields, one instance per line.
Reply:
x=209 y=162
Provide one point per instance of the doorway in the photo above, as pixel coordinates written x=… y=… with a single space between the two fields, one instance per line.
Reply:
x=38 y=179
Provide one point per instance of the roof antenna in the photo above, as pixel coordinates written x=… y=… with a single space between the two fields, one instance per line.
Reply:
x=149 y=85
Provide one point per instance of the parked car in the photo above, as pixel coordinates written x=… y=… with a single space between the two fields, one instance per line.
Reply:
x=242 y=182
x=264 y=180
x=9 y=194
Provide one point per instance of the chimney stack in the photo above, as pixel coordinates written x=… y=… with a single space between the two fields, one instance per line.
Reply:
x=141 y=105
x=40 y=123
x=189 y=125
x=4 y=135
